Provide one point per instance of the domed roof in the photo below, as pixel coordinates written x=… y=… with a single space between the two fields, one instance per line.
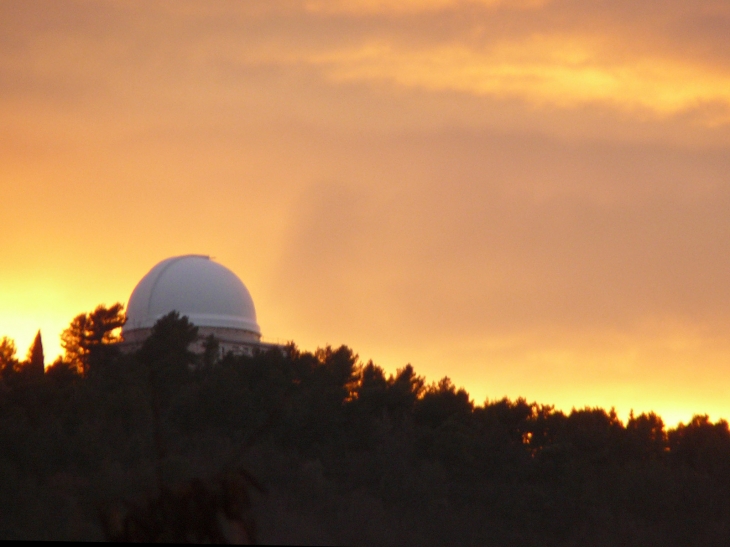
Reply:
x=209 y=294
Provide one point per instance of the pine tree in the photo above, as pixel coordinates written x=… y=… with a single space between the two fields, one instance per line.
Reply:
x=8 y=361
x=88 y=332
x=36 y=361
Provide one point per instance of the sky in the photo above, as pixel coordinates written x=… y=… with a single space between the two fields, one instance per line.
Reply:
x=528 y=196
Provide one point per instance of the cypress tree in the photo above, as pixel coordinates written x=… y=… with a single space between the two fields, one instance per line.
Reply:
x=36 y=361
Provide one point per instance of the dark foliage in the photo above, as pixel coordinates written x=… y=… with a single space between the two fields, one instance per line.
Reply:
x=36 y=360
x=152 y=446
x=196 y=512
x=8 y=361
x=90 y=335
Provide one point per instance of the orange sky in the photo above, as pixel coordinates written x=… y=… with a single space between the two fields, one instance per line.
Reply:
x=529 y=196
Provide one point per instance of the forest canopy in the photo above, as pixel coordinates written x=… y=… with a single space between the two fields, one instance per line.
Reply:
x=339 y=451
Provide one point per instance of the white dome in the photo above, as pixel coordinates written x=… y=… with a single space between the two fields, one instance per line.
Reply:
x=209 y=294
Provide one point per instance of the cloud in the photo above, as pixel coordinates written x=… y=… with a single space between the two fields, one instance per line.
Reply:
x=626 y=57
x=562 y=71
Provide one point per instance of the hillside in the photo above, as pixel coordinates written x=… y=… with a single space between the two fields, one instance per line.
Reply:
x=330 y=450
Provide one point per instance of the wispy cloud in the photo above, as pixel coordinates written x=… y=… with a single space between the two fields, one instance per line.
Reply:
x=542 y=70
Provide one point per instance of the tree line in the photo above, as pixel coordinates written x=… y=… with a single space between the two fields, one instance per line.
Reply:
x=322 y=448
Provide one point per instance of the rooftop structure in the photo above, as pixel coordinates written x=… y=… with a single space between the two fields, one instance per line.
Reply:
x=211 y=296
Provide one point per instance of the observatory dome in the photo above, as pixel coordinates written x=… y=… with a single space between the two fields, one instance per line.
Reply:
x=210 y=295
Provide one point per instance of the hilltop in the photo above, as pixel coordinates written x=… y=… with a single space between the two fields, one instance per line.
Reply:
x=333 y=450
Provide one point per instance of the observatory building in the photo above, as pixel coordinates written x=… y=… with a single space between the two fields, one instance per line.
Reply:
x=211 y=296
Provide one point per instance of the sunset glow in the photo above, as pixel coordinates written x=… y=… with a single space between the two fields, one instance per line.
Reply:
x=543 y=71
x=529 y=197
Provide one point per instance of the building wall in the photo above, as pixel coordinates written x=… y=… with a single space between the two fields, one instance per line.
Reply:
x=238 y=342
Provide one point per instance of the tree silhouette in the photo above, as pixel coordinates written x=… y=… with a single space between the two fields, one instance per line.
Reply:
x=168 y=361
x=348 y=453
x=8 y=361
x=35 y=361
x=442 y=401
x=646 y=436
x=89 y=333
x=211 y=351
x=166 y=351
x=404 y=390
x=702 y=445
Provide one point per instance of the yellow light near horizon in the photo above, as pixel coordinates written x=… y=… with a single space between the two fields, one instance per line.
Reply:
x=49 y=302
x=654 y=367
x=28 y=307
x=561 y=369
x=565 y=390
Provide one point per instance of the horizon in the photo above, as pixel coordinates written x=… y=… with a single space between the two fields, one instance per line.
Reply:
x=622 y=416
x=529 y=197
